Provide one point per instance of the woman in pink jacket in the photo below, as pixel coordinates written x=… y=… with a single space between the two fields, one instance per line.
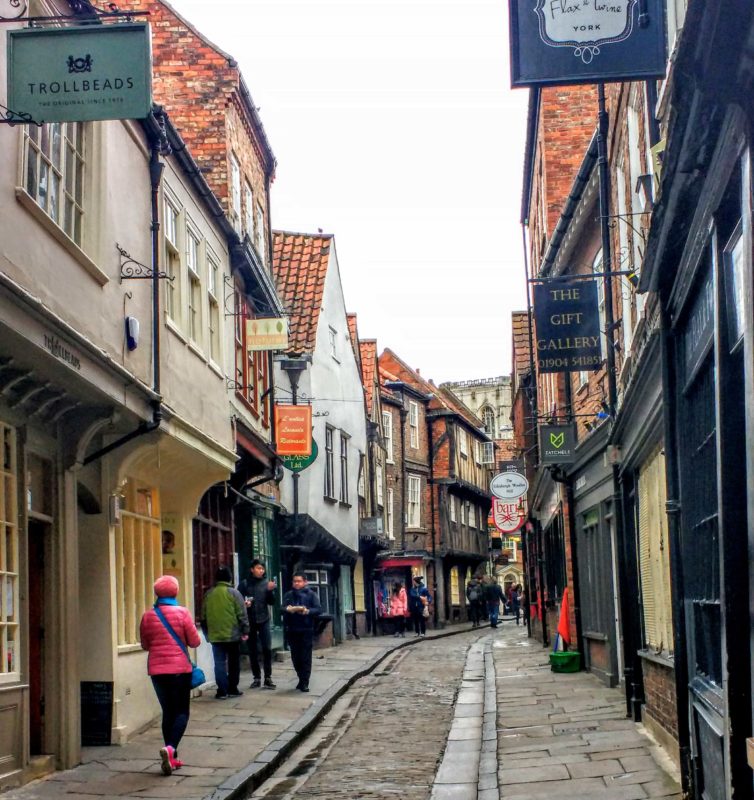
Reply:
x=399 y=608
x=169 y=665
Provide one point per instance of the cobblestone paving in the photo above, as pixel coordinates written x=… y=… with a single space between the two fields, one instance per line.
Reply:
x=566 y=735
x=397 y=732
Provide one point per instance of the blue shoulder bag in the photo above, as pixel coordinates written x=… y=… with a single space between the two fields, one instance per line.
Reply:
x=197 y=673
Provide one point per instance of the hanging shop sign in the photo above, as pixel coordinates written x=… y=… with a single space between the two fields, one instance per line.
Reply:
x=80 y=74
x=300 y=463
x=293 y=430
x=568 y=326
x=507 y=516
x=269 y=333
x=586 y=41
x=557 y=444
x=509 y=485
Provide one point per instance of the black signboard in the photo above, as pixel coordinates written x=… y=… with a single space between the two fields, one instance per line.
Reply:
x=557 y=444
x=586 y=41
x=568 y=326
x=516 y=465
x=96 y=713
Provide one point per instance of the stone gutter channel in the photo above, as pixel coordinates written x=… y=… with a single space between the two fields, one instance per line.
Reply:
x=469 y=766
x=250 y=777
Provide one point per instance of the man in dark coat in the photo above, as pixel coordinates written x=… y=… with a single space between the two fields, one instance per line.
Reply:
x=258 y=595
x=301 y=606
x=475 y=597
x=493 y=594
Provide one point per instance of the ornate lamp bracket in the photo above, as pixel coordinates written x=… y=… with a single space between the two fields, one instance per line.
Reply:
x=131 y=269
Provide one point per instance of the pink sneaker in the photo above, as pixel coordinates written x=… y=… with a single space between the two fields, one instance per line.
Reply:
x=166 y=760
x=177 y=764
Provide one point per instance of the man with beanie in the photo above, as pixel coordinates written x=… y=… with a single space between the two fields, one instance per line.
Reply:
x=225 y=625
x=257 y=592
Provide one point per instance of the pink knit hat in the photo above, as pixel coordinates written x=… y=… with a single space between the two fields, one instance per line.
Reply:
x=166 y=586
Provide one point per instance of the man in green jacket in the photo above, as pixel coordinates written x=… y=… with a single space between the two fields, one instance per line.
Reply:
x=225 y=624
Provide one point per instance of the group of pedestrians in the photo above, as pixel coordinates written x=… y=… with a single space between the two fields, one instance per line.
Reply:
x=414 y=605
x=229 y=616
x=484 y=595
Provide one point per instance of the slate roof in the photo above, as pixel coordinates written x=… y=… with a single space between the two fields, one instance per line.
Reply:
x=300 y=262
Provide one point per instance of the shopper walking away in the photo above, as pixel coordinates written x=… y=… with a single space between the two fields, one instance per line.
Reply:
x=516 y=602
x=493 y=595
x=419 y=601
x=399 y=608
x=169 y=665
x=258 y=595
x=225 y=624
x=474 y=596
x=301 y=606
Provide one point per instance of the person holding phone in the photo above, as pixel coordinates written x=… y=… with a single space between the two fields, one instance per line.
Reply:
x=258 y=593
x=301 y=606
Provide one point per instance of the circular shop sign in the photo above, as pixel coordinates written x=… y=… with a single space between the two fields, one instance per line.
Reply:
x=300 y=463
x=509 y=485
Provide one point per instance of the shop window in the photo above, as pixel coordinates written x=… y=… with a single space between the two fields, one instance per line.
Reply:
x=455 y=594
x=54 y=161
x=138 y=557
x=9 y=583
x=319 y=583
x=212 y=540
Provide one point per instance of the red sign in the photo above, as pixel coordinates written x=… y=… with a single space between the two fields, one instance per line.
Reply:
x=293 y=430
x=508 y=517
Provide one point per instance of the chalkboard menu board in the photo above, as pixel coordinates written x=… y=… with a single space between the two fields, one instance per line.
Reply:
x=96 y=713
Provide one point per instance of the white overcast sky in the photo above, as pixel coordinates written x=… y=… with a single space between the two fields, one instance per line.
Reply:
x=395 y=129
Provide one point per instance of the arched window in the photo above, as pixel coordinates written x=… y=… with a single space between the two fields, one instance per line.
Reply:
x=488 y=420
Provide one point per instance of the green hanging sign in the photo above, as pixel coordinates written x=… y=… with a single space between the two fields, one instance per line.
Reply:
x=300 y=463
x=82 y=73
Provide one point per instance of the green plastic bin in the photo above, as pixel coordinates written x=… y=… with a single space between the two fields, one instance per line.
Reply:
x=566 y=661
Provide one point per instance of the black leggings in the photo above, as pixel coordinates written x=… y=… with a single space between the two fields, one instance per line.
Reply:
x=174 y=695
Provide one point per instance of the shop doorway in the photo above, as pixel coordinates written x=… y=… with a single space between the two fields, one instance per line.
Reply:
x=38 y=536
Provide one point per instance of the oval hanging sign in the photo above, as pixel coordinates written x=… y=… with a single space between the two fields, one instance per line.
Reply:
x=509 y=485
x=508 y=517
x=299 y=463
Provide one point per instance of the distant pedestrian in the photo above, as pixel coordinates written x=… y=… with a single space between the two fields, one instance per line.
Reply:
x=169 y=665
x=258 y=595
x=399 y=608
x=419 y=601
x=301 y=607
x=493 y=595
x=475 y=598
x=516 y=602
x=225 y=624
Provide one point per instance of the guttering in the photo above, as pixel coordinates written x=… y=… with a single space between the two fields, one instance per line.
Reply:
x=571 y=205
x=532 y=123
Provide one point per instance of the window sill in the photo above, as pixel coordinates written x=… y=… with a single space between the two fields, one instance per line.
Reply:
x=664 y=659
x=123 y=649
x=196 y=350
x=172 y=326
x=418 y=529
x=57 y=233
x=216 y=369
x=330 y=500
x=344 y=504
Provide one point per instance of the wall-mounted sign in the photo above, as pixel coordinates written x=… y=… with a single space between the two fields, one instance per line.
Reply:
x=568 y=326
x=509 y=485
x=269 y=333
x=507 y=516
x=78 y=74
x=300 y=463
x=586 y=41
x=293 y=430
x=557 y=444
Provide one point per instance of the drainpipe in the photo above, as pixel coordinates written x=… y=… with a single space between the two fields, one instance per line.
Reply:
x=432 y=512
x=403 y=414
x=158 y=146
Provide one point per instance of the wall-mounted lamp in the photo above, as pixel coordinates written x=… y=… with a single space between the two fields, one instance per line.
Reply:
x=645 y=191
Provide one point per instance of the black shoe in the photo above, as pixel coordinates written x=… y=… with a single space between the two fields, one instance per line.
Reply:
x=256 y=683
x=268 y=684
x=221 y=696
x=304 y=687
x=235 y=693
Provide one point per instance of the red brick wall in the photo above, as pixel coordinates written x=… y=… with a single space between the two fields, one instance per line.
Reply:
x=659 y=690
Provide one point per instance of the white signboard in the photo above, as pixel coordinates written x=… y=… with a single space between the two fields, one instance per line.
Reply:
x=507 y=516
x=267 y=333
x=509 y=485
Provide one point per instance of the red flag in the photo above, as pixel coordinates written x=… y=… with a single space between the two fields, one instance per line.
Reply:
x=564 y=627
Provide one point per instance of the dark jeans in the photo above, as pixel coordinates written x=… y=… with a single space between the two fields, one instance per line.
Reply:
x=174 y=695
x=493 y=608
x=227 y=656
x=420 y=621
x=400 y=625
x=516 y=609
x=301 y=643
x=475 y=612
x=260 y=637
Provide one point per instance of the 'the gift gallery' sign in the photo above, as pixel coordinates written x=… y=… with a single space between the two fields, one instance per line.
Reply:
x=81 y=74
x=568 y=326
x=586 y=41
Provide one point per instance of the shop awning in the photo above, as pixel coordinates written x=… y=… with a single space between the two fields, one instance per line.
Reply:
x=389 y=563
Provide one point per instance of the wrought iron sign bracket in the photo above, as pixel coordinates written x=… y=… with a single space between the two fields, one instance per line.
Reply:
x=82 y=11
x=10 y=117
x=230 y=284
x=133 y=270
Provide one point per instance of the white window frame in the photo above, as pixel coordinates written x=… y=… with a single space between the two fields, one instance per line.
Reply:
x=333 y=340
x=329 y=489
x=387 y=427
x=344 y=438
x=389 y=514
x=413 y=504
x=235 y=192
x=248 y=212
x=413 y=424
x=214 y=318
x=597 y=268
x=452 y=502
x=488 y=453
x=463 y=442
x=462 y=504
x=172 y=215
x=259 y=239
x=380 y=482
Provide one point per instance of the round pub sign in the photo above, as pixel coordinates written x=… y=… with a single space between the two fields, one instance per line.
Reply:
x=509 y=485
